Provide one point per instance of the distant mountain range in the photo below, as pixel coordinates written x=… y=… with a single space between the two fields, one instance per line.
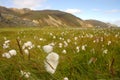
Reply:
x=13 y=17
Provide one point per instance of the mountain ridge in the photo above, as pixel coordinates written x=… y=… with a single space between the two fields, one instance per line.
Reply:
x=27 y=17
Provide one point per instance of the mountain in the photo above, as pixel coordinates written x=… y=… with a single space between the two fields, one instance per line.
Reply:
x=97 y=23
x=26 y=17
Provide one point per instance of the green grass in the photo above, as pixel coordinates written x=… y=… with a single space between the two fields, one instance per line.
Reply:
x=73 y=64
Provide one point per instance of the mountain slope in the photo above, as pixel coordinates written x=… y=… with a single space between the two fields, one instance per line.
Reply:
x=26 y=17
x=97 y=23
x=52 y=18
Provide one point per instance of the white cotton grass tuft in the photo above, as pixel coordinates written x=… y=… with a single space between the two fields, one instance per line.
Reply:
x=60 y=45
x=77 y=49
x=12 y=52
x=25 y=74
x=38 y=46
x=54 y=37
x=28 y=45
x=65 y=78
x=68 y=40
x=52 y=44
x=6 y=44
x=75 y=38
x=41 y=39
x=64 y=51
x=51 y=62
x=109 y=42
x=83 y=48
x=48 y=48
x=65 y=44
x=26 y=51
x=6 y=55
x=7 y=41
x=105 y=51
x=9 y=54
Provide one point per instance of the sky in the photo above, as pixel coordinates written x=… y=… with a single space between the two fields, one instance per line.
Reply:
x=103 y=10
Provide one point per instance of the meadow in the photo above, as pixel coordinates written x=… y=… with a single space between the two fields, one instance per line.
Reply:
x=84 y=53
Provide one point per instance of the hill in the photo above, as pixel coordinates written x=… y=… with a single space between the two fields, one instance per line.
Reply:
x=97 y=23
x=26 y=17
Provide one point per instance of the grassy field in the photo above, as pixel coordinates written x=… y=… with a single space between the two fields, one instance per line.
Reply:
x=85 y=54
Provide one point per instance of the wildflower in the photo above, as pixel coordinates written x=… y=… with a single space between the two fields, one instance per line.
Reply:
x=6 y=55
x=65 y=44
x=28 y=45
x=26 y=51
x=83 y=47
x=25 y=74
x=6 y=44
x=54 y=37
x=9 y=54
x=51 y=34
x=94 y=41
x=41 y=39
x=105 y=51
x=12 y=52
x=51 y=62
x=38 y=46
x=116 y=35
x=48 y=48
x=91 y=36
x=7 y=41
x=68 y=40
x=75 y=38
x=52 y=44
x=82 y=36
x=60 y=38
x=64 y=51
x=60 y=45
x=66 y=78
x=78 y=48
x=109 y=42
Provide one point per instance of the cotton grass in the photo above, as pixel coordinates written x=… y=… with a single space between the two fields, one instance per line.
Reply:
x=51 y=62
x=48 y=48
x=65 y=78
x=9 y=54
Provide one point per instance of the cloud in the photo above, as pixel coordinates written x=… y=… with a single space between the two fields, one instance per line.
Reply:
x=73 y=11
x=28 y=3
x=112 y=11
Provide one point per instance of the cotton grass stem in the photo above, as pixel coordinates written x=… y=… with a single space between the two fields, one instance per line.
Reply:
x=20 y=49
x=49 y=64
x=111 y=69
x=29 y=56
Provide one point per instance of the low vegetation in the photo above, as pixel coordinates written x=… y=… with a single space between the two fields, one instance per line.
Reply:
x=84 y=54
